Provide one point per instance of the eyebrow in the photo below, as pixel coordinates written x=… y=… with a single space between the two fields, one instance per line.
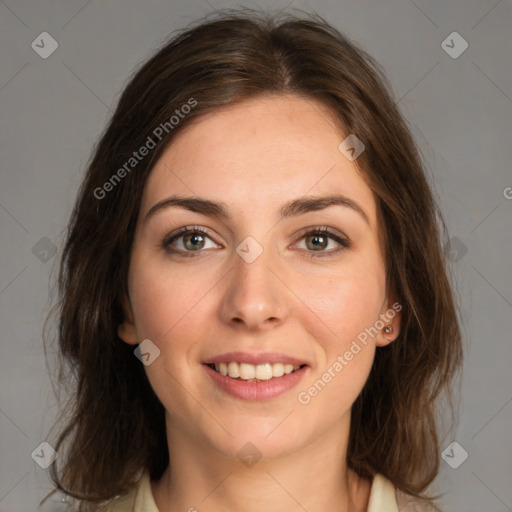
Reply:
x=294 y=208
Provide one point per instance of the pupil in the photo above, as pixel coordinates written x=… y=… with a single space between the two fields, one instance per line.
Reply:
x=315 y=242
x=194 y=237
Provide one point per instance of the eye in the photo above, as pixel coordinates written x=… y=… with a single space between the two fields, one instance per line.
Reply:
x=188 y=239
x=193 y=239
x=318 y=239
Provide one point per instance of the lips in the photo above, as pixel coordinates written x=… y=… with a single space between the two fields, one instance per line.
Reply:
x=255 y=390
x=258 y=372
x=255 y=359
x=255 y=376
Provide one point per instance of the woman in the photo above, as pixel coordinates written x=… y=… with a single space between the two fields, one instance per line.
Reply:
x=254 y=300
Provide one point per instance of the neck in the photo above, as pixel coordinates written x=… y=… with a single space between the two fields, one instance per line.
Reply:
x=313 y=478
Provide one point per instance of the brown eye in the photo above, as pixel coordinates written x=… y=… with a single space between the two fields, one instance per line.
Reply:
x=194 y=241
x=321 y=240
x=317 y=242
x=188 y=239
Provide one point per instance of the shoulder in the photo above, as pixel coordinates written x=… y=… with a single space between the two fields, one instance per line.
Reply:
x=125 y=503
x=408 y=503
x=384 y=496
x=138 y=499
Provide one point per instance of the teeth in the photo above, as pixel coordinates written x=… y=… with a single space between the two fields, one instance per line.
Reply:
x=288 y=368
x=234 y=370
x=264 y=371
x=246 y=371
x=277 y=370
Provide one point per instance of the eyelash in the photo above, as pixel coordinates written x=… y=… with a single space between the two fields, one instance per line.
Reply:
x=321 y=231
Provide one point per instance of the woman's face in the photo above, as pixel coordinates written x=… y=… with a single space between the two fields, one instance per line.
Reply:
x=255 y=283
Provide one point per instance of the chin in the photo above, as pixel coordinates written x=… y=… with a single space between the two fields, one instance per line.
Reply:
x=266 y=437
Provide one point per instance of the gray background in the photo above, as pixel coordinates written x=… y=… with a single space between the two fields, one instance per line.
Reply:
x=52 y=110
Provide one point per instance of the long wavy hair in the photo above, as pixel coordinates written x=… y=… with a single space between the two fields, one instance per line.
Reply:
x=112 y=426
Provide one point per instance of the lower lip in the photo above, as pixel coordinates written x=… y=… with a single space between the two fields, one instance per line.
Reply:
x=256 y=391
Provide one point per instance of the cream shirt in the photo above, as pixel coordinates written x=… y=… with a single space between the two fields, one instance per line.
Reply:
x=383 y=498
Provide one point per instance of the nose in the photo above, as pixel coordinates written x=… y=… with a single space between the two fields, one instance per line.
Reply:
x=255 y=298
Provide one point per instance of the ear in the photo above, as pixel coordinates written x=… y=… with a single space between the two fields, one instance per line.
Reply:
x=126 y=330
x=390 y=316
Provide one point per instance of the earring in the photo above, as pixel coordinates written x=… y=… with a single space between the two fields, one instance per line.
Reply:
x=388 y=329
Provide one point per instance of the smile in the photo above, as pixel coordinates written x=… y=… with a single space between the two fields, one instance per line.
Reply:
x=254 y=373
x=252 y=388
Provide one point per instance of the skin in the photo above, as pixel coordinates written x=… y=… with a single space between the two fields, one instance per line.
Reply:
x=255 y=157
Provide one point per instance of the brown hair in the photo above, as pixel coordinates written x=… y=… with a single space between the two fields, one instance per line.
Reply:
x=116 y=426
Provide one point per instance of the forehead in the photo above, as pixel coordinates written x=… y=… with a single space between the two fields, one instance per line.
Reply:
x=259 y=153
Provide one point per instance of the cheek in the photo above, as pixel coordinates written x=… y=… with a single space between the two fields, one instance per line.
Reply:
x=169 y=309
x=332 y=392
x=345 y=351
x=163 y=302
x=346 y=304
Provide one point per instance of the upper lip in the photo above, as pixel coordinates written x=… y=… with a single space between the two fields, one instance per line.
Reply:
x=254 y=359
